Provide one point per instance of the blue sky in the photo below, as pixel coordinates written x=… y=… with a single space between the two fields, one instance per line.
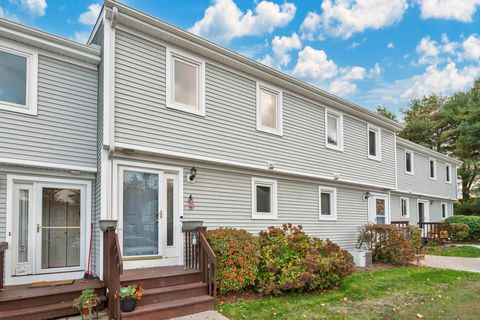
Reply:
x=371 y=52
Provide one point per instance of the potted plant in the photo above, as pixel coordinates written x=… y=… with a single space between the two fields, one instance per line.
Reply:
x=87 y=304
x=129 y=296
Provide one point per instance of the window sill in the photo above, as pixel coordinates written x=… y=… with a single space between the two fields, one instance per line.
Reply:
x=332 y=147
x=434 y=179
x=409 y=173
x=326 y=218
x=375 y=158
x=187 y=109
x=264 y=217
x=270 y=131
x=18 y=109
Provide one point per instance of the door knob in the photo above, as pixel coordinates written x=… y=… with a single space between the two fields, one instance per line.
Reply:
x=38 y=227
x=161 y=214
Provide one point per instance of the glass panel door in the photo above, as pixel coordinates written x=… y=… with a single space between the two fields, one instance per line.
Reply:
x=142 y=212
x=380 y=210
x=22 y=235
x=421 y=212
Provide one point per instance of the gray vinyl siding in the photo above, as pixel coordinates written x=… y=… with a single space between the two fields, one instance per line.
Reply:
x=228 y=131
x=420 y=181
x=3 y=206
x=64 y=130
x=435 y=209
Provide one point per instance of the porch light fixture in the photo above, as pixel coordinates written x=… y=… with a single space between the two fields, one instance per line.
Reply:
x=193 y=174
x=431 y=202
x=367 y=195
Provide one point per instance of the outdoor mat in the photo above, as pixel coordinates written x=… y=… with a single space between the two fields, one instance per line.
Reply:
x=42 y=284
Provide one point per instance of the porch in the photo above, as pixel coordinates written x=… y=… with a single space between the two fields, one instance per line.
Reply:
x=431 y=231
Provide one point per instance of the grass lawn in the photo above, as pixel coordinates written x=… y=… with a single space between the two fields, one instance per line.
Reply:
x=394 y=293
x=458 y=251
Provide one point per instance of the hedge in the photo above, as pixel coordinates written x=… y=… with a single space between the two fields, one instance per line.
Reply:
x=472 y=221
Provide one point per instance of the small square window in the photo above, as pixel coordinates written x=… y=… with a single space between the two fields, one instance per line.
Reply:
x=404 y=203
x=333 y=130
x=448 y=173
x=374 y=143
x=444 y=210
x=185 y=83
x=433 y=169
x=408 y=162
x=18 y=80
x=269 y=109
x=327 y=203
x=264 y=199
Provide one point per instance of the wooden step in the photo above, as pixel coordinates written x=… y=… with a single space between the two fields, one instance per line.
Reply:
x=149 y=278
x=164 y=294
x=171 y=309
x=49 y=311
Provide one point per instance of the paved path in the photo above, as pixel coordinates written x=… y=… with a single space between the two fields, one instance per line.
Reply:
x=455 y=263
x=207 y=315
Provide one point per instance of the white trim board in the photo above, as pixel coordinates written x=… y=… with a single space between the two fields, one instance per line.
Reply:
x=417 y=194
x=49 y=165
x=185 y=156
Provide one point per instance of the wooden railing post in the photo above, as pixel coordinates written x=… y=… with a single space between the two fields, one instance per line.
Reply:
x=112 y=266
x=3 y=247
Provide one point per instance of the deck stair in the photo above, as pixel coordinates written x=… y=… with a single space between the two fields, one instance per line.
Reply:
x=23 y=302
x=169 y=292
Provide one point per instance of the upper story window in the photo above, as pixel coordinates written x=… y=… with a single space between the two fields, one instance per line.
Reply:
x=404 y=203
x=448 y=173
x=185 y=83
x=374 y=143
x=433 y=168
x=408 y=162
x=264 y=199
x=269 y=109
x=18 y=80
x=333 y=130
x=444 y=210
x=327 y=198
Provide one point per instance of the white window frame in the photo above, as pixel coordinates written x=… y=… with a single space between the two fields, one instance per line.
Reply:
x=273 y=215
x=434 y=169
x=378 y=142
x=339 y=116
x=333 y=203
x=407 y=215
x=412 y=162
x=278 y=93
x=32 y=78
x=444 y=205
x=180 y=55
x=449 y=180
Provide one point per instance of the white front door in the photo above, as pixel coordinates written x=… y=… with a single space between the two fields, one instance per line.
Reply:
x=148 y=216
x=378 y=209
x=47 y=223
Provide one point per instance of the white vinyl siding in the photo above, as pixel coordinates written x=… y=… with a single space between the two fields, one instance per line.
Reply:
x=269 y=109
x=327 y=203
x=264 y=199
x=333 y=130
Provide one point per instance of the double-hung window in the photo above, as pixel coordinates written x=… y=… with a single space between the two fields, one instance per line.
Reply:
x=409 y=162
x=404 y=204
x=333 y=130
x=433 y=168
x=448 y=173
x=444 y=210
x=327 y=203
x=264 y=199
x=185 y=83
x=18 y=78
x=269 y=109
x=374 y=143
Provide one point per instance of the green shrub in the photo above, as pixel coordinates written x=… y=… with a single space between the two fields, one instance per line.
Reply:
x=391 y=244
x=472 y=221
x=293 y=261
x=238 y=258
x=467 y=207
x=460 y=231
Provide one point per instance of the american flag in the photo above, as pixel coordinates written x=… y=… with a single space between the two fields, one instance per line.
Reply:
x=190 y=202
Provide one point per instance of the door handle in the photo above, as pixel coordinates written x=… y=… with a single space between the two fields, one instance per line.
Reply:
x=161 y=214
x=38 y=227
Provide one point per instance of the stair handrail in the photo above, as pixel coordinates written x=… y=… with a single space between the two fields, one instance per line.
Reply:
x=112 y=267
x=207 y=262
x=3 y=248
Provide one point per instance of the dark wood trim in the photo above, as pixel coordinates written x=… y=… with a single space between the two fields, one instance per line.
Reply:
x=112 y=270
x=3 y=248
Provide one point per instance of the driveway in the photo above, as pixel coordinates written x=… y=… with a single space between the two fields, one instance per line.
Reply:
x=454 y=263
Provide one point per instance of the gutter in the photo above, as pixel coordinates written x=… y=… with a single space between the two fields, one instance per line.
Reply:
x=419 y=148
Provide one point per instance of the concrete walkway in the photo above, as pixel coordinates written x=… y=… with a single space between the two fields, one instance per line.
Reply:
x=207 y=315
x=454 y=263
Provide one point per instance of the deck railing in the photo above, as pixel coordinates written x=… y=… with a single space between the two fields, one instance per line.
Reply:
x=199 y=255
x=401 y=224
x=3 y=248
x=112 y=269
x=435 y=230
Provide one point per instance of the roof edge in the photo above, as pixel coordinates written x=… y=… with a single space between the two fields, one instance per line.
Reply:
x=412 y=145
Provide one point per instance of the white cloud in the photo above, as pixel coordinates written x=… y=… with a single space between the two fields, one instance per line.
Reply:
x=268 y=60
x=462 y=10
x=90 y=17
x=343 y=18
x=471 y=48
x=34 y=7
x=390 y=45
x=427 y=50
x=281 y=46
x=81 y=37
x=5 y=14
x=442 y=81
x=223 y=20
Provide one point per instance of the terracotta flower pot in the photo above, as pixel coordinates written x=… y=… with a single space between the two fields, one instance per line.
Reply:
x=128 y=304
